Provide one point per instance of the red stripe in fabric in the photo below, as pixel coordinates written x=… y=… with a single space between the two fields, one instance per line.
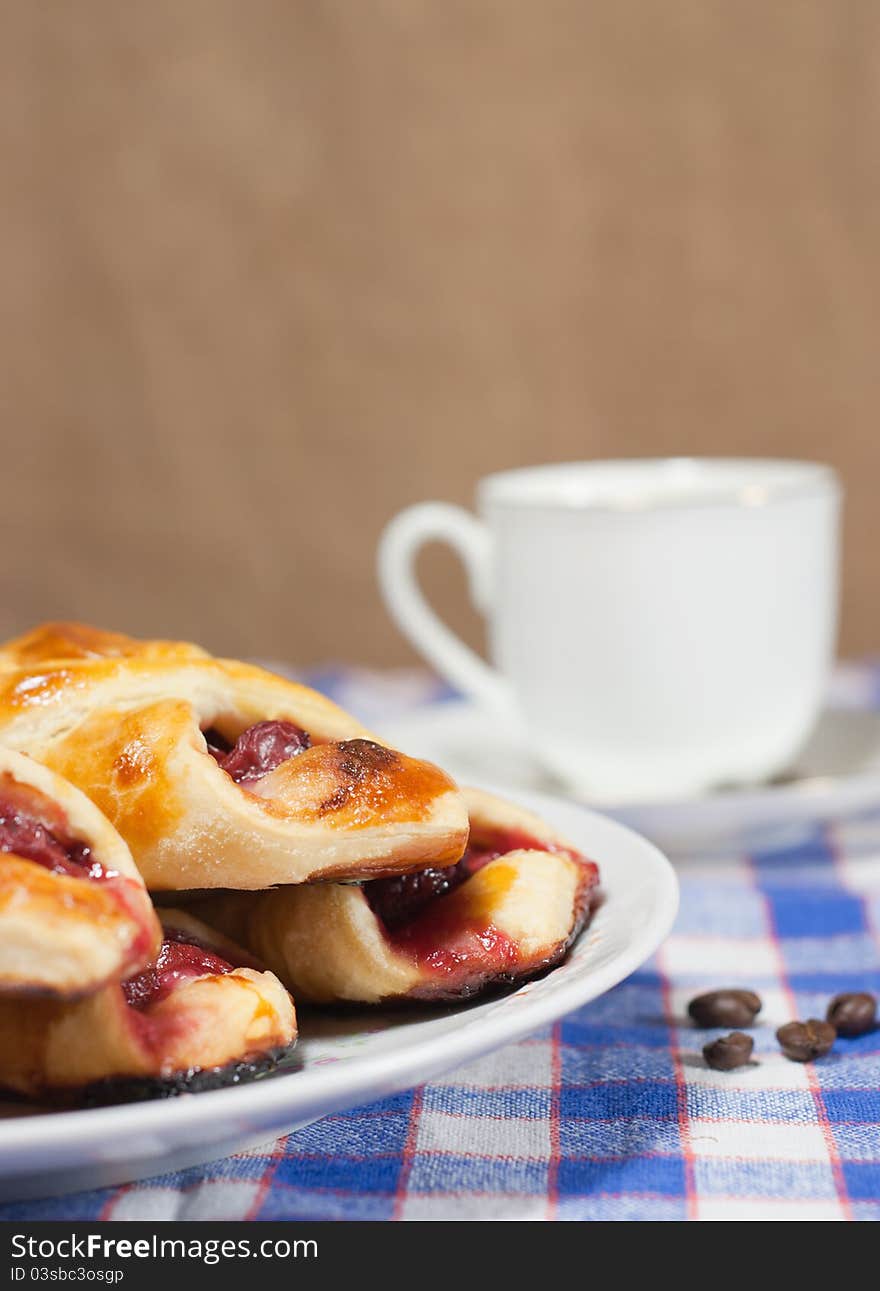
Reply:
x=112 y=1201
x=684 y=1128
x=273 y=1161
x=810 y=1070
x=409 y=1152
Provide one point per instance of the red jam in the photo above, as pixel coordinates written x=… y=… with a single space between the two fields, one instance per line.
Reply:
x=448 y=939
x=181 y=959
x=25 y=836
x=399 y=899
x=456 y=950
x=258 y=750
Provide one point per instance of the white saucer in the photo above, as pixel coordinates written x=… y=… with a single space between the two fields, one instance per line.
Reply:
x=838 y=772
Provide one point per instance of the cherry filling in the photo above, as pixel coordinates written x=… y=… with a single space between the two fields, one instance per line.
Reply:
x=400 y=899
x=461 y=948
x=181 y=959
x=23 y=833
x=258 y=750
x=25 y=836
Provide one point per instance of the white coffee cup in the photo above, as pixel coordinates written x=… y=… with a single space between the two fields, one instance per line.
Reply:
x=660 y=626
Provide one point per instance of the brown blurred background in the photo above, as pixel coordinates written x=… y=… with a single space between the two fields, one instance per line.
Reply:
x=271 y=271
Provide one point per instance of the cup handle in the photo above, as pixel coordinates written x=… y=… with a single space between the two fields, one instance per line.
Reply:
x=398 y=548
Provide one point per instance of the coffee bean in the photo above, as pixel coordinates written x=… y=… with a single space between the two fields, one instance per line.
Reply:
x=729 y=1051
x=804 y=1041
x=728 y=1008
x=852 y=1014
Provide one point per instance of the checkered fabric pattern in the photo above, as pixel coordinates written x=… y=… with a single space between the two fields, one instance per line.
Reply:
x=612 y=1114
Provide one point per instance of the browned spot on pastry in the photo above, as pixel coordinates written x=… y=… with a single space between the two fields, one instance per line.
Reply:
x=134 y=764
x=358 y=757
x=355 y=760
x=355 y=784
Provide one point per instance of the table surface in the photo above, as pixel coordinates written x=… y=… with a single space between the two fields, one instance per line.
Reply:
x=611 y=1113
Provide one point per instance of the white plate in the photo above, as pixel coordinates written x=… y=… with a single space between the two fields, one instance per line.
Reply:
x=353 y=1059
x=837 y=772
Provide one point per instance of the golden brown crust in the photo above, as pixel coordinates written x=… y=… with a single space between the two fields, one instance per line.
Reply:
x=127 y=730
x=62 y=934
x=70 y=640
x=207 y=1022
x=515 y=916
x=45 y=698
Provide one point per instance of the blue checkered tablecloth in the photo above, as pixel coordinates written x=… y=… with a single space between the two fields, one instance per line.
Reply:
x=611 y=1113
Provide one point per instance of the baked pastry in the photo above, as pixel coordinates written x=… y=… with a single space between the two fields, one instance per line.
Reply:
x=199 y=1016
x=508 y=910
x=68 y=640
x=218 y=773
x=74 y=912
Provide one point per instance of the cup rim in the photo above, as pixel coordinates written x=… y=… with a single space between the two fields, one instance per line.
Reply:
x=554 y=486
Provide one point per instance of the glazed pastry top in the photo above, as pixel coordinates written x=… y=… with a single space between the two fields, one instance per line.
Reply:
x=69 y=640
x=171 y=743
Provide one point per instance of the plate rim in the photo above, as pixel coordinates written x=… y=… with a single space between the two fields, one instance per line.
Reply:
x=57 y=1139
